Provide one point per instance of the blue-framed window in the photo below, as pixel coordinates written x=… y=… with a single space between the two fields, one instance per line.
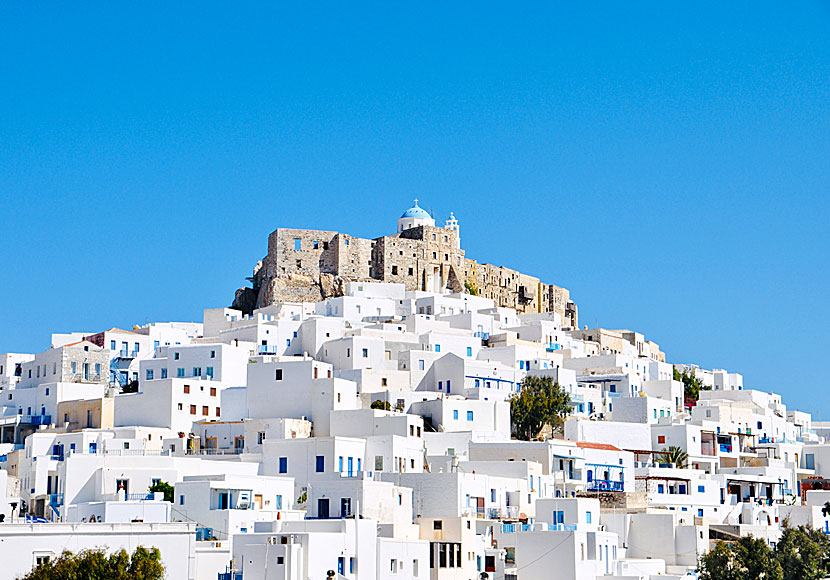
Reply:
x=455 y=414
x=321 y=464
x=469 y=415
x=283 y=465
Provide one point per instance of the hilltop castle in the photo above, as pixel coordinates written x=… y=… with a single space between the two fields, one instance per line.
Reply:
x=311 y=265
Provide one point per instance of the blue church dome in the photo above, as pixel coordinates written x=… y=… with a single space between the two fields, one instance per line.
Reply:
x=416 y=212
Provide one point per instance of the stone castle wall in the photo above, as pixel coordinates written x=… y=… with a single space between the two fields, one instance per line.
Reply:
x=311 y=265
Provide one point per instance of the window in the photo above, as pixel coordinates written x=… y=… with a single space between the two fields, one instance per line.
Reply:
x=660 y=488
x=112 y=345
x=278 y=375
x=455 y=414
x=278 y=502
x=164 y=373
x=213 y=354
x=437 y=348
x=186 y=389
x=469 y=415
x=321 y=464
x=587 y=517
x=298 y=244
x=192 y=409
x=438 y=525
x=315 y=245
x=283 y=465
x=420 y=365
x=205 y=411
x=260 y=437
x=180 y=372
x=469 y=351
x=365 y=353
x=661 y=439
x=700 y=489
x=197 y=371
x=394 y=270
x=74 y=369
x=175 y=356
x=209 y=372
x=180 y=407
x=410 y=272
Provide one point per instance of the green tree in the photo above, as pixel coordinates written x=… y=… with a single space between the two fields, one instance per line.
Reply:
x=804 y=553
x=539 y=402
x=691 y=386
x=382 y=405
x=674 y=455
x=825 y=510
x=747 y=559
x=145 y=564
x=164 y=488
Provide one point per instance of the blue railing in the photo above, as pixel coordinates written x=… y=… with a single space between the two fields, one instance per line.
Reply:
x=203 y=534
x=267 y=349
x=230 y=576
x=605 y=485
x=139 y=496
x=611 y=395
x=55 y=499
x=725 y=448
x=40 y=419
x=482 y=335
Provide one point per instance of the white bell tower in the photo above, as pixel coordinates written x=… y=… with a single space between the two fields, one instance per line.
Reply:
x=452 y=224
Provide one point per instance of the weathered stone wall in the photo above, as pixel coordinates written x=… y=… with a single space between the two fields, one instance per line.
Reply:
x=422 y=258
x=79 y=356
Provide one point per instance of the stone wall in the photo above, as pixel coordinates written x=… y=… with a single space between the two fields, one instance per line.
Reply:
x=311 y=265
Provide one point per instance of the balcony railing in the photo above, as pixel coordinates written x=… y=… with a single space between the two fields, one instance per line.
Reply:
x=482 y=335
x=126 y=353
x=262 y=349
x=605 y=485
x=139 y=496
x=725 y=447
x=38 y=419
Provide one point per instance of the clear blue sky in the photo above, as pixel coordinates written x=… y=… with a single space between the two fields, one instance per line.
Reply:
x=669 y=167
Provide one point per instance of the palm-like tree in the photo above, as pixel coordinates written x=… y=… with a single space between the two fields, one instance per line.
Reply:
x=674 y=455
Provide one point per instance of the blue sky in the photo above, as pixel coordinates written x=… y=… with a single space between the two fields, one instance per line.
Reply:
x=669 y=167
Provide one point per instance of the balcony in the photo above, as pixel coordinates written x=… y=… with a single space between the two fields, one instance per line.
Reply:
x=55 y=499
x=126 y=353
x=263 y=349
x=482 y=335
x=38 y=419
x=725 y=447
x=605 y=485
x=510 y=512
x=610 y=395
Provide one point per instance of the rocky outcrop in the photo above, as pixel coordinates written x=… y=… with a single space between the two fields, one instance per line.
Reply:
x=291 y=288
x=245 y=300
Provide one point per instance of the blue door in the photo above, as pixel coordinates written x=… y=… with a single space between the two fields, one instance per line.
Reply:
x=350 y=467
